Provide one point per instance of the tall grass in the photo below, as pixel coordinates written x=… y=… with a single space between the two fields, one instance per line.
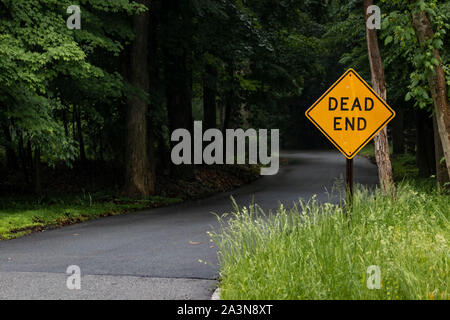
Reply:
x=312 y=251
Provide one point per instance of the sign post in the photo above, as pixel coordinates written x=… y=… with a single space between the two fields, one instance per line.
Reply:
x=349 y=182
x=350 y=113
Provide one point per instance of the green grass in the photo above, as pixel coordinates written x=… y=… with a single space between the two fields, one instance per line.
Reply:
x=313 y=251
x=403 y=165
x=369 y=150
x=22 y=215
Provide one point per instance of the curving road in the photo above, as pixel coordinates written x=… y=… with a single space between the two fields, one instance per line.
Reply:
x=155 y=254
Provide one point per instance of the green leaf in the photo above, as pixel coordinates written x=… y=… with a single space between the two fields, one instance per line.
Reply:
x=388 y=40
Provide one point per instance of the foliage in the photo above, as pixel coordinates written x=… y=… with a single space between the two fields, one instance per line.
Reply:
x=46 y=68
x=398 y=32
x=313 y=251
x=64 y=93
x=21 y=216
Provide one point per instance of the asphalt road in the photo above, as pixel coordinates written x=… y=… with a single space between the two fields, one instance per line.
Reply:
x=155 y=254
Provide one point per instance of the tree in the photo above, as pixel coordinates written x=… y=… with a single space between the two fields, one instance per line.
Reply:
x=436 y=78
x=48 y=72
x=381 y=141
x=138 y=176
x=178 y=31
x=412 y=63
x=425 y=149
x=209 y=96
x=441 y=171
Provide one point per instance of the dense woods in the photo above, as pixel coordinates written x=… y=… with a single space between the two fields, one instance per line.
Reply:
x=106 y=97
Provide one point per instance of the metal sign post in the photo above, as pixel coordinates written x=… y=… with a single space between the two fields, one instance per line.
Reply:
x=349 y=184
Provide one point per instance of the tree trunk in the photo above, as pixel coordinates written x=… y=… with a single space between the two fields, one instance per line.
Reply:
x=64 y=119
x=398 y=132
x=80 y=134
x=23 y=158
x=138 y=178
x=378 y=83
x=424 y=144
x=29 y=155
x=37 y=171
x=74 y=131
x=209 y=97
x=222 y=108
x=11 y=158
x=179 y=104
x=178 y=75
x=442 y=175
x=154 y=80
x=231 y=100
x=437 y=84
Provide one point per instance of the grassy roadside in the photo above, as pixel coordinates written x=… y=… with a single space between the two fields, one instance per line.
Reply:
x=313 y=251
x=21 y=215
x=403 y=165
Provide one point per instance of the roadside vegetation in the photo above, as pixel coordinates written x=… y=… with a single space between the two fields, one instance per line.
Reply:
x=311 y=250
x=65 y=204
x=404 y=164
x=314 y=251
x=22 y=215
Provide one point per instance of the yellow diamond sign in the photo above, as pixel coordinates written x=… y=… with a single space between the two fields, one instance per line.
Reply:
x=350 y=113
